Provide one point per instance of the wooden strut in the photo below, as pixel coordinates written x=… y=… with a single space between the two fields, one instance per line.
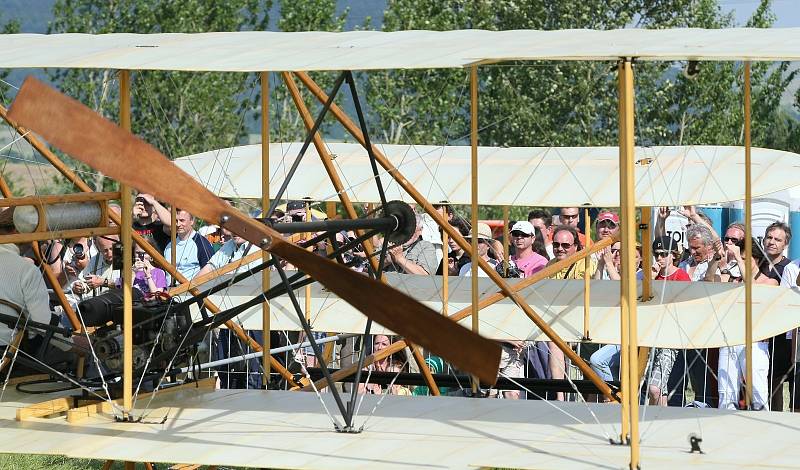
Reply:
x=586 y=278
x=628 y=265
x=473 y=251
x=353 y=129
x=748 y=245
x=126 y=228
x=624 y=363
x=152 y=251
x=333 y=175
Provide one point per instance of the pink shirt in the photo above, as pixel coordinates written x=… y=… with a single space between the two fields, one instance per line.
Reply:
x=530 y=264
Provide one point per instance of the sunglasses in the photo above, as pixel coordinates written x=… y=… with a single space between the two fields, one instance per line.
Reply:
x=614 y=251
x=565 y=246
x=567 y=216
x=661 y=253
x=731 y=239
x=520 y=234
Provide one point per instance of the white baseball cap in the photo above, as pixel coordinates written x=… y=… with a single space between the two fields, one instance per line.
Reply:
x=525 y=227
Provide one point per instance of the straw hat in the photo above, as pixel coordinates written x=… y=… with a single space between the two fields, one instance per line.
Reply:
x=483 y=232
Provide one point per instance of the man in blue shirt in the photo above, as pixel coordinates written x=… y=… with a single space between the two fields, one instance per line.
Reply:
x=192 y=250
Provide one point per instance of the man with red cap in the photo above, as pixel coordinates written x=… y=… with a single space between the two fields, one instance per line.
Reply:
x=607 y=225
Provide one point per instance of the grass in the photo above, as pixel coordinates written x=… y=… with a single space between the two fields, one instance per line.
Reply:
x=57 y=462
x=51 y=462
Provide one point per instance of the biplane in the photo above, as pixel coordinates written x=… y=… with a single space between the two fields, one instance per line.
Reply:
x=295 y=430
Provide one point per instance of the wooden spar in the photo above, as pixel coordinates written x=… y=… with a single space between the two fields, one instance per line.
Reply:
x=152 y=251
x=265 y=256
x=624 y=357
x=58 y=234
x=173 y=251
x=87 y=136
x=401 y=180
x=57 y=199
x=545 y=273
x=344 y=198
x=586 y=277
x=426 y=371
x=748 y=244
x=473 y=251
x=506 y=233
x=647 y=253
x=230 y=267
x=344 y=372
x=647 y=280
x=628 y=265
x=208 y=277
x=127 y=255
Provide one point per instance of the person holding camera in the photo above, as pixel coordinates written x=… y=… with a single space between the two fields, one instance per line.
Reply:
x=150 y=217
x=99 y=273
x=146 y=277
x=730 y=250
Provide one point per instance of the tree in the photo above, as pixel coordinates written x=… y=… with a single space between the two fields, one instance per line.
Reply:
x=179 y=113
x=574 y=103
x=309 y=15
x=10 y=27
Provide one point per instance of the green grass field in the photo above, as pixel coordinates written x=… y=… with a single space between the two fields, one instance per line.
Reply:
x=50 y=462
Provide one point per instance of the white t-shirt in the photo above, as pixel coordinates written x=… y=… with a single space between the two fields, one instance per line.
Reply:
x=700 y=271
x=466 y=270
x=790 y=272
x=229 y=253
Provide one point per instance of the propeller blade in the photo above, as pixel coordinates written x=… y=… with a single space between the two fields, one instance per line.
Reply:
x=101 y=144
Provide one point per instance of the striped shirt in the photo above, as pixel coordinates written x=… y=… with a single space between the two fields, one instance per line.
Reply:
x=21 y=283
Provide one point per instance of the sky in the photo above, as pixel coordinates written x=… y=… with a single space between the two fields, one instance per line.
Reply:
x=787 y=12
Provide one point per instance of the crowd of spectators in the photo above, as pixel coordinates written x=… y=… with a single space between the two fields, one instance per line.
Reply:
x=88 y=267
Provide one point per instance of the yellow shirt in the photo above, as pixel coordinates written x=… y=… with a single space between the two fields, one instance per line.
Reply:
x=575 y=271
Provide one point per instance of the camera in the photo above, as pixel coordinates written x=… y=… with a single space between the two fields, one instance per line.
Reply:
x=297 y=217
x=79 y=252
x=116 y=262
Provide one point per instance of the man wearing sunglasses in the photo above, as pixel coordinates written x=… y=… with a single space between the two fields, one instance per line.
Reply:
x=731 y=252
x=484 y=246
x=566 y=243
x=665 y=251
x=525 y=258
x=570 y=216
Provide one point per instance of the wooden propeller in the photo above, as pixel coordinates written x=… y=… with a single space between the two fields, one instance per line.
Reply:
x=101 y=144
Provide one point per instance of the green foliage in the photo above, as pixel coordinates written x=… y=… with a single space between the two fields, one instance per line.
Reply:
x=13 y=184
x=180 y=113
x=574 y=103
x=9 y=27
x=309 y=15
